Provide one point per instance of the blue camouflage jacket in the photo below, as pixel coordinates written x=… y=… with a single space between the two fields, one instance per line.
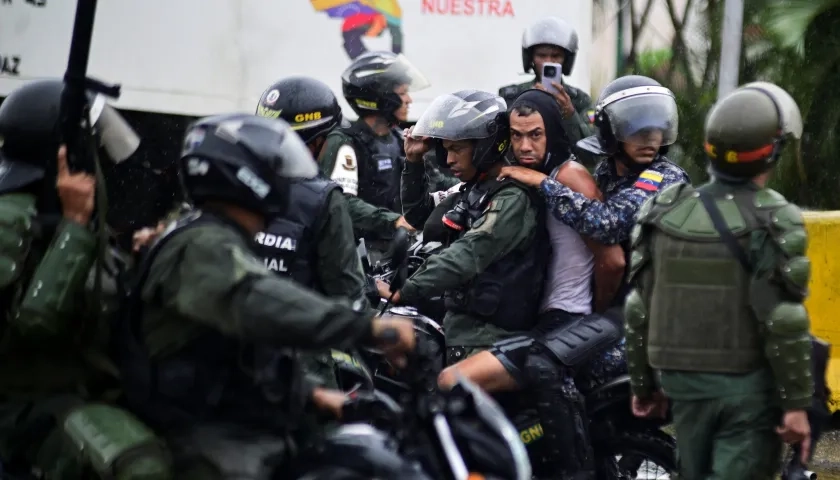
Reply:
x=610 y=222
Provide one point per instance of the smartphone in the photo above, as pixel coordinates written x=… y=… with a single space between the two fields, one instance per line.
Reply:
x=551 y=72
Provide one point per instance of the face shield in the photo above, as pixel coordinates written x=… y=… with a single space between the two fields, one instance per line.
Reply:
x=388 y=72
x=643 y=116
x=451 y=118
x=115 y=134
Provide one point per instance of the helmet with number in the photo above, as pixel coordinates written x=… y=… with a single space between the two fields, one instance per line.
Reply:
x=550 y=31
x=243 y=160
x=747 y=129
x=468 y=115
x=630 y=110
x=369 y=83
x=308 y=105
x=30 y=132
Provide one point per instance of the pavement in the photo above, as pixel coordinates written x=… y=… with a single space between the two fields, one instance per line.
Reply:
x=826 y=461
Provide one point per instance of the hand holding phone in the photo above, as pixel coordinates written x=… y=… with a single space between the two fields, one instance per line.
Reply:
x=551 y=72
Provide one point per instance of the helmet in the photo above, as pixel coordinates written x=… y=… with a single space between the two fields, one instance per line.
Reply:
x=550 y=31
x=630 y=106
x=369 y=82
x=746 y=130
x=30 y=132
x=468 y=115
x=244 y=160
x=308 y=105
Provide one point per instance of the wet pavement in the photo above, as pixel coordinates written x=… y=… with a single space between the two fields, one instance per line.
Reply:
x=827 y=458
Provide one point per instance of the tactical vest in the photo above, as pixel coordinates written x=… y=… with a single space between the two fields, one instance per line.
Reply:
x=214 y=376
x=700 y=313
x=507 y=294
x=380 y=166
x=287 y=246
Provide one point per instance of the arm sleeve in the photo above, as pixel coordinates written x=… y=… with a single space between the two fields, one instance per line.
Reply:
x=367 y=218
x=777 y=292
x=577 y=125
x=607 y=222
x=636 y=309
x=220 y=284
x=339 y=268
x=506 y=224
x=414 y=191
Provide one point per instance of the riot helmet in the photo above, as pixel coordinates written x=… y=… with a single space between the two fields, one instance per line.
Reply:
x=747 y=129
x=243 y=160
x=635 y=110
x=468 y=115
x=550 y=31
x=307 y=104
x=369 y=83
x=30 y=132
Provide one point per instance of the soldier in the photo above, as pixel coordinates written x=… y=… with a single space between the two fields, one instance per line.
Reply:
x=719 y=275
x=492 y=270
x=210 y=367
x=553 y=40
x=55 y=368
x=367 y=157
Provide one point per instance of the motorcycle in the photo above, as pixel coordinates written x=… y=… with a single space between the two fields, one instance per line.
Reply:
x=454 y=435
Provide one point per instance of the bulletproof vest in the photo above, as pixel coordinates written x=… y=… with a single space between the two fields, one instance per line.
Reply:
x=380 y=165
x=213 y=376
x=507 y=294
x=287 y=245
x=700 y=314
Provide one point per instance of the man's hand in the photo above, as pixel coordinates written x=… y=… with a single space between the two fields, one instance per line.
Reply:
x=563 y=99
x=146 y=236
x=415 y=148
x=395 y=337
x=796 y=429
x=384 y=290
x=655 y=406
x=402 y=223
x=528 y=176
x=77 y=191
x=329 y=400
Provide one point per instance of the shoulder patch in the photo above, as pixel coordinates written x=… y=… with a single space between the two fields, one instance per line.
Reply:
x=649 y=180
x=590 y=116
x=345 y=172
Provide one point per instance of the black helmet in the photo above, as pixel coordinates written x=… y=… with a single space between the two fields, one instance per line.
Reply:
x=244 y=160
x=308 y=105
x=30 y=132
x=628 y=106
x=369 y=82
x=550 y=31
x=468 y=115
x=746 y=130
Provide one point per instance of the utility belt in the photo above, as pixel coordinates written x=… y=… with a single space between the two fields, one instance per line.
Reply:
x=486 y=304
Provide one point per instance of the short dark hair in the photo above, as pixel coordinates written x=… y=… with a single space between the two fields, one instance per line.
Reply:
x=523 y=110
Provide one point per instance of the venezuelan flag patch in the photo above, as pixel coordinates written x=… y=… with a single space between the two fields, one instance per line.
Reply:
x=590 y=114
x=649 y=180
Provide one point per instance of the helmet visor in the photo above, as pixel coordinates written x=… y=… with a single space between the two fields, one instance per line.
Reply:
x=388 y=72
x=452 y=118
x=115 y=134
x=649 y=119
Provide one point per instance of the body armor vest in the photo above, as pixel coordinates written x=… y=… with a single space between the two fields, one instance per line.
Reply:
x=214 y=376
x=507 y=294
x=287 y=245
x=380 y=165
x=700 y=314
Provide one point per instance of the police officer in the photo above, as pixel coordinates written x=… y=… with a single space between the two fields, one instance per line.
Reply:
x=299 y=100
x=717 y=304
x=366 y=158
x=491 y=272
x=553 y=40
x=55 y=367
x=313 y=242
x=211 y=370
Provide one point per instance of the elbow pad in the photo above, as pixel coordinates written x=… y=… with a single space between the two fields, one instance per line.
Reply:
x=636 y=323
x=788 y=349
x=55 y=287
